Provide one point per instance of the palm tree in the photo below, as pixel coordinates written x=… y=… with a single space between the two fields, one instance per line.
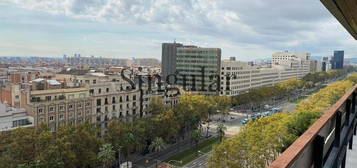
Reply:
x=221 y=129
x=106 y=155
x=157 y=145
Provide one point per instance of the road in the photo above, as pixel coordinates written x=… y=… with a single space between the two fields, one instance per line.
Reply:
x=200 y=162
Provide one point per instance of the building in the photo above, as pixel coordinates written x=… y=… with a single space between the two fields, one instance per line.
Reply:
x=292 y=64
x=11 y=118
x=198 y=69
x=315 y=66
x=326 y=63
x=168 y=58
x=78 y=60
x=337 y=60
x=59 y=106
x=238 y=77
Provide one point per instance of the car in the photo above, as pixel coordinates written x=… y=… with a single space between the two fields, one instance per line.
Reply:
x=245 y=121
x=276 y=110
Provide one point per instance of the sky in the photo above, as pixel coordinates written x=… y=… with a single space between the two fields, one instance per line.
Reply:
x=248 y=30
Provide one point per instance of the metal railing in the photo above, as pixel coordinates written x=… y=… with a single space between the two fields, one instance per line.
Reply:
x=325 y=143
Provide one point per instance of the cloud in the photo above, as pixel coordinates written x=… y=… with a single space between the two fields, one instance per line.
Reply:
x=303 y=25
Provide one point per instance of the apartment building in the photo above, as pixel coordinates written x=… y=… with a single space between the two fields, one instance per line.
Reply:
x=94 y=97
x=58 y=106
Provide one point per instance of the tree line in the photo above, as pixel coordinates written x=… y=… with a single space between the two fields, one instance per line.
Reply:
x=261 y=141
x=285 y=88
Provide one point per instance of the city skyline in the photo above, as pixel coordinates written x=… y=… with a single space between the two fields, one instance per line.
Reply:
x=125 y=29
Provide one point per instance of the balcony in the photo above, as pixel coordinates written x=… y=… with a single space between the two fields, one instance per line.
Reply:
x=326 y=142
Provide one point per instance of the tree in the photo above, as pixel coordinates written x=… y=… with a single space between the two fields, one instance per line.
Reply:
x=106 y=155
x=157 y=145
x=196 y=135
x=221 y=131
x=156 y=106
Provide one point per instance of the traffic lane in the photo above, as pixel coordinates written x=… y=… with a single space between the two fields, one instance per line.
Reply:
x=200 y=162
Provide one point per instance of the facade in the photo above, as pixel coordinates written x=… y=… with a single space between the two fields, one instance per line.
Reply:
x=326 y=63
x=198 y=69
x=287 y=58
x=58 y=107
x=238 y=77
x=11 y=118
x=315 y=66
x=168 y=58
x=337 y=60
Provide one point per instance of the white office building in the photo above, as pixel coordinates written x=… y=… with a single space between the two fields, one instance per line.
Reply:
x=238 y=77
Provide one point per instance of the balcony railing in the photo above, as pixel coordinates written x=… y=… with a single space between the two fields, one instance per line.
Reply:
x=325 y=143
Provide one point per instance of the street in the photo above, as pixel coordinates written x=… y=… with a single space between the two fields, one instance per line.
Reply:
x=200 y=162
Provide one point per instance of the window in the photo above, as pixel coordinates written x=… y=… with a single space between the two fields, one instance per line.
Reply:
x=70 y=106
x=106 y=109
x=17 y=97
x=127 y=98
x=120 y=99
x=114 y=108
x=98 y=110
x=51 y=109
x=51 y=118
x=61 y=107
x=106 y=101
x=40 y=110
x=99 y=91
x=113 y=100
x=134 y=112
x=61 y=116
x=134 y=97
x=91 y=91
x=94 y=81
x=134 y=104
x=48 y=98
x=107 y=90
x=99 y=102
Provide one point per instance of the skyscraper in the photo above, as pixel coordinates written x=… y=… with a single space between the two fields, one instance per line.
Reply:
x=337 y=60
x=168 y=58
